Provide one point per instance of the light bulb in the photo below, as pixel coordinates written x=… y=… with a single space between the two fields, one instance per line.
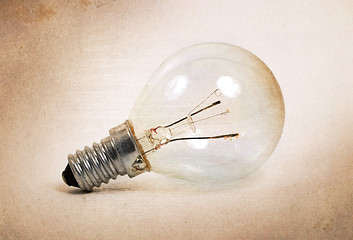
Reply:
x=211 y=114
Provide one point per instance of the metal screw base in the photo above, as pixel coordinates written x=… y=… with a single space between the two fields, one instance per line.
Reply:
x=116 y=155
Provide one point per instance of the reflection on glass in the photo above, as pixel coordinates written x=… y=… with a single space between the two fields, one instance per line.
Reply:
x=229 y=86
x=176 y=87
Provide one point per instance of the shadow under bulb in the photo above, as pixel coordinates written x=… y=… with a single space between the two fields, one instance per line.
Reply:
x=211 y=114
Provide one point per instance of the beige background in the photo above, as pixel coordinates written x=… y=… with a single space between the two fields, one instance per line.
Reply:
x=69 y=71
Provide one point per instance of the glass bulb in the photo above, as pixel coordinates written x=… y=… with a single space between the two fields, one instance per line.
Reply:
x=212 y=113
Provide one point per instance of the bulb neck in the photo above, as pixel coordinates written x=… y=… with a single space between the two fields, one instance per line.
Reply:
x=116 y=155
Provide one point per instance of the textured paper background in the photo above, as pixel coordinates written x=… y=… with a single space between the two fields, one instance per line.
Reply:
x=69 y=71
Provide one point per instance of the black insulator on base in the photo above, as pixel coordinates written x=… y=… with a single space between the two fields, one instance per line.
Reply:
x=68 y=177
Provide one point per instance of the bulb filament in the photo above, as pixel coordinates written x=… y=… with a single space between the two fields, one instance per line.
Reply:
x=162 y=135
